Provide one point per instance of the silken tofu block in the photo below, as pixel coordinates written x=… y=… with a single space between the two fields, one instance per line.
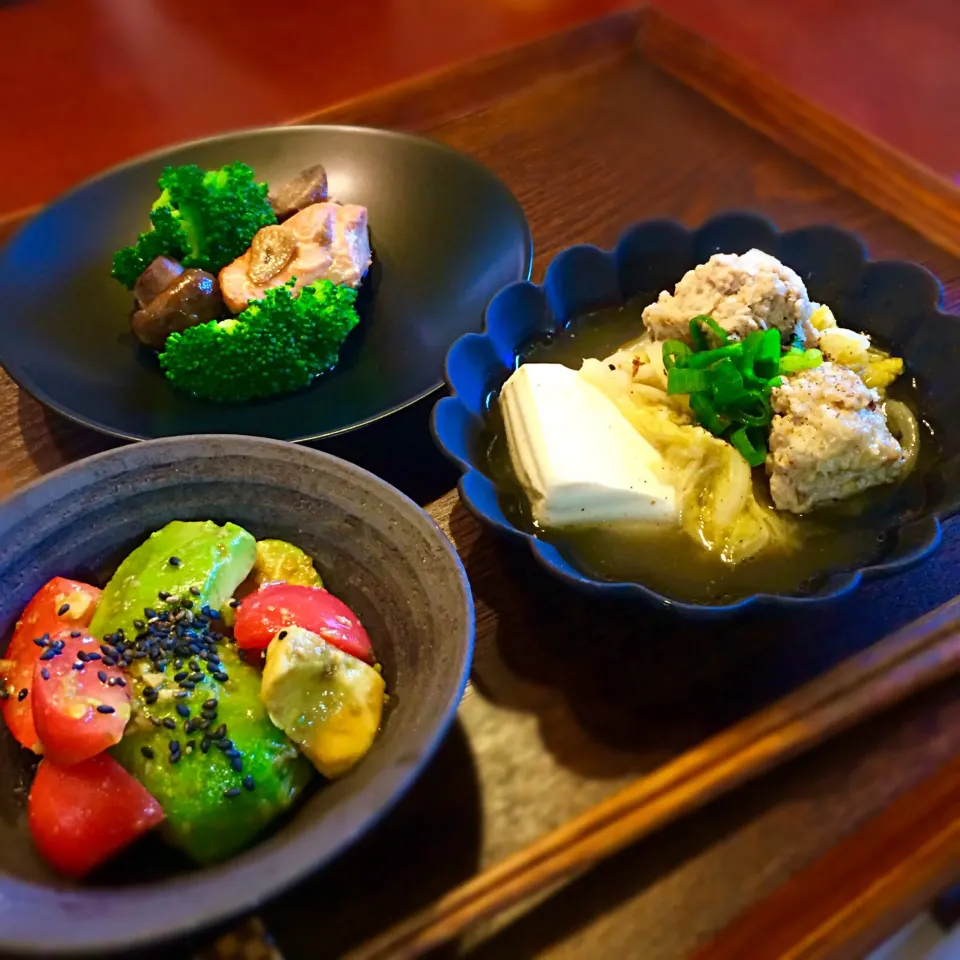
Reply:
x=577 y=457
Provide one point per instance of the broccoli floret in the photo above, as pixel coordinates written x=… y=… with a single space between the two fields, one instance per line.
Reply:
x=277 y=345
x=205 y=219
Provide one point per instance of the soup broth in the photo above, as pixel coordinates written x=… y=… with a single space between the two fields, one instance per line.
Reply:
x=845 y=536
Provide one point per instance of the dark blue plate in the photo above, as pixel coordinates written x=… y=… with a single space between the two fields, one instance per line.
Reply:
x=897 y=301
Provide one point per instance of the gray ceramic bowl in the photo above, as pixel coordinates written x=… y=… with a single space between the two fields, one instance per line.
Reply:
x=377 y=550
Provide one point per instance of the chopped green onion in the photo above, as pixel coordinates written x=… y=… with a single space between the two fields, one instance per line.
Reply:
x=726 y=383
x=682 y=380
x=753 y=409
x=707 y=415
x=706 y=358
x=675 y=352
x=699 y=334
x=797 y=360
x=745 y=447
x=768 y=353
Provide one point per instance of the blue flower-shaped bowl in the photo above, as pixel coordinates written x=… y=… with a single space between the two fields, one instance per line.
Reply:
x=897 y=301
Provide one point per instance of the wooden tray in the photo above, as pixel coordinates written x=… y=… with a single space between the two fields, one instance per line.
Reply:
x=569 y=700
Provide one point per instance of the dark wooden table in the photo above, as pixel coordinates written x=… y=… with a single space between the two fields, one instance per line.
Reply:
x=570 y=699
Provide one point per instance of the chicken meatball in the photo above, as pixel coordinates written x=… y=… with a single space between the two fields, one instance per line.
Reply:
x=742 y=292
x=829 y=439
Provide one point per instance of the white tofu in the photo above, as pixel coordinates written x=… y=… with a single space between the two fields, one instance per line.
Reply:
x=578 y=458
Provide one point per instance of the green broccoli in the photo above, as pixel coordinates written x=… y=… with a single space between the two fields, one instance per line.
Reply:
x=203 y=219
x=277 y=345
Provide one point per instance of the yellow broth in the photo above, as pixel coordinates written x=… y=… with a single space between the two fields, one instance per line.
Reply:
x=845 y=536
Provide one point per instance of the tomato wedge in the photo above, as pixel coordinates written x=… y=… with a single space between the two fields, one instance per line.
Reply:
x=80 y=816
x=277 y=605
x=81 y=712
x=42 y=617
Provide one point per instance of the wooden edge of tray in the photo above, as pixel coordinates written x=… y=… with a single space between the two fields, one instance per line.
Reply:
x=882 y=175
x=861 y=891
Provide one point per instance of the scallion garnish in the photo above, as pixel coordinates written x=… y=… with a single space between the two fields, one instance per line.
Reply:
x=730 y=385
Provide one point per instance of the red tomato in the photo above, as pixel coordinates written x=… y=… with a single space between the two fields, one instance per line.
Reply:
x=277 y=605
x=41 y=617
x=78 y=713
x=80 y=816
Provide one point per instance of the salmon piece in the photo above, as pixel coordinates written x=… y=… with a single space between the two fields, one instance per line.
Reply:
x=333 y=243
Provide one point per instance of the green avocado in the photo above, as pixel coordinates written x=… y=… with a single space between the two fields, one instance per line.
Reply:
x=211 y=810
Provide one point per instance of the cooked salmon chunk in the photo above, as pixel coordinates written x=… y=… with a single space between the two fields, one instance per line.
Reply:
x=325 y=241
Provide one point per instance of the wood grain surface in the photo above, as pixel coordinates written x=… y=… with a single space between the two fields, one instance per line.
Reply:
x=892 y=179
x=570 y=700
x=863 y=890
x=86 y=84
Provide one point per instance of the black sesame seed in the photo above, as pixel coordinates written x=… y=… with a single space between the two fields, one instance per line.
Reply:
x=150 y=613
x=248 y=782
x=174 y=561
x=164 y=595
x=102 y=676
x=221 y=676
x=224 y=745
x=78 y=666
x=204 y=724
x=75 y=634
x=205 y=745
x=182 y=675
x=64 y=608
x=195 y=591
x=194 y=665
x=237 y=763
x=187 y=684
x=210 y=704
x=82 y=656
x=128 y=656
x=178 y=663
x=174 y=746
x=181 y=694
x=183 y=710
x=221 y=731
x=105 y=708
x=117 y=682
x=232 y=792
x=45 y=673
x=170 y=723
x=93 y=656
x=50 y=654
x=139 y=655
x=212 y=614
x=147 y=752
x=120 y=634
x=175 y=757
x=107 y=650
x=234 y=604
x=40 y=641
x=109 y=662
x=190 y=744
x=22 y=695
x=139 y=624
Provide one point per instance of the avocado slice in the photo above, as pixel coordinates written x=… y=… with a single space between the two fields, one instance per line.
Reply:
x=326 y=701
x=212 y=808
